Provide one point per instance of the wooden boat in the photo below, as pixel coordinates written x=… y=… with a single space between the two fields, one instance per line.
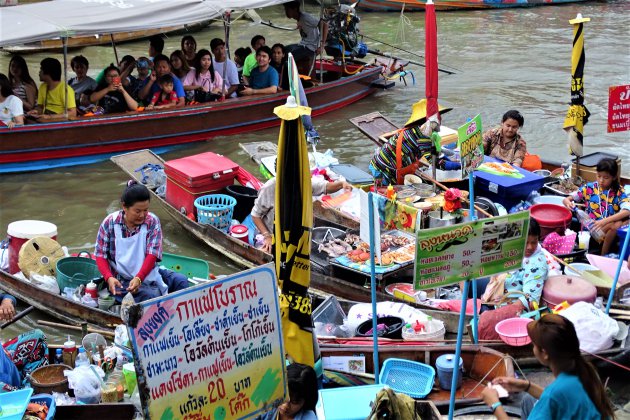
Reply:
x=418 y=6
x=57 y=306
x=87 y=140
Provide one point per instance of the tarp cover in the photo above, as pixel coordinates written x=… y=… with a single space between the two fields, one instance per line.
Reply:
x=60 y=18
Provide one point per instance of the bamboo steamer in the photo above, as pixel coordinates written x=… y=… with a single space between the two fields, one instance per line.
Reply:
x=39 y=256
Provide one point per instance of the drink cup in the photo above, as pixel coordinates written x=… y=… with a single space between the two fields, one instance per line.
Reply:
x=583 y=239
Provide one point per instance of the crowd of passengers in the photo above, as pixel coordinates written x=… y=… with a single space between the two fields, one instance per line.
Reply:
x=188 y=76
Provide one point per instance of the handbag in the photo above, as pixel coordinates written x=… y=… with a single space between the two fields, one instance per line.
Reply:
x=202 y=96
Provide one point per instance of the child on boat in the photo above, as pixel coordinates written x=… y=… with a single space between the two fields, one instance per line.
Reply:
x=166 y=96
x=302 y=384
x=606 y=202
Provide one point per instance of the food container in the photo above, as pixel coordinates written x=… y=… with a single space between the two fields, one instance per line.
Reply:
x=551 y=217
x=445 y=365
x=49 y=379
x=572 y=289
x=22 y=231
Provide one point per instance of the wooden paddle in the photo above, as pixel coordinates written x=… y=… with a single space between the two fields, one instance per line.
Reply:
x=18 y=316
x=75 y=328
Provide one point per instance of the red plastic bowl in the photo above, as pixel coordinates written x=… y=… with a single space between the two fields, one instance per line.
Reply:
x=551 y=215
x=513 y=331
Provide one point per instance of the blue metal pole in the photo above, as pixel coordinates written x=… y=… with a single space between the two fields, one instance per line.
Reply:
x=458 y=351
x=624 y=249
x=473 y=217
x=373 y=284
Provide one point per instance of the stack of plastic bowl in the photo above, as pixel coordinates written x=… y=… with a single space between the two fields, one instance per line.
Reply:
x=106 y=302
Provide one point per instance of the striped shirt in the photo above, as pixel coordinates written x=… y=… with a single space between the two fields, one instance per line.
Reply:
x=19 y=90
x=106 y=238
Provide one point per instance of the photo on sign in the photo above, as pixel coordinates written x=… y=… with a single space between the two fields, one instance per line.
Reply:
x=494 y=229
x=490 y=246
x=514 y=230
x=357 y=365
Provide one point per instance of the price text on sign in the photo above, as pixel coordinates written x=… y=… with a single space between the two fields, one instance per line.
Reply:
x=213 y=351
x=470 y=144
x=448 y=255
x=619 y=108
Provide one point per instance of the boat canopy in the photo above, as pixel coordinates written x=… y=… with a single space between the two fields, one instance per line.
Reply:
x=69 y=18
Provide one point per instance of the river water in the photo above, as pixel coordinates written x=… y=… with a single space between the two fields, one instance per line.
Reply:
x=518 y=58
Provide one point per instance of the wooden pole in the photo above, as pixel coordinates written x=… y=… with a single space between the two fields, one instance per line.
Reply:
x=75 y=328
x=17 y=317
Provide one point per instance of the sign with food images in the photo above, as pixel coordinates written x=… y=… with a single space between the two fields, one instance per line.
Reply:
x=212 y=351
x=470 y=145
x=448 y=255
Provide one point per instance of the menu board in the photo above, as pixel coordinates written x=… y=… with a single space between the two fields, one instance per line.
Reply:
x=448 y=255
x=470 y=144
x=212 y=351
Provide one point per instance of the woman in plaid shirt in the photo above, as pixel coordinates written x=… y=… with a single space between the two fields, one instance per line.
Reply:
x=129 y=246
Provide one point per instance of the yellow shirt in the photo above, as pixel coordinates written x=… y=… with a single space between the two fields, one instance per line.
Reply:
x=53 y=102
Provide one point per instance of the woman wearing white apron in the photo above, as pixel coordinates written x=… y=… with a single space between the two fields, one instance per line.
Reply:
x=129 y=246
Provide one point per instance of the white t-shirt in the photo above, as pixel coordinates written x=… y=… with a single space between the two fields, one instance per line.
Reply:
x=11 y=107
x=231 y=73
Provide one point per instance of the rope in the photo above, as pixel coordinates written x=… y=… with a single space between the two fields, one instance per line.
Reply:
x=481 y=381
x=608 y=360
x=402 y=21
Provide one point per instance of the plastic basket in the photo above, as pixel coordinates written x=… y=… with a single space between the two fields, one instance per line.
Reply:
x=215 y=210
x=513 y=331
x=75 y=271
x=48 y=401
x=412 y=378
x=190 y=267
x=14 y=403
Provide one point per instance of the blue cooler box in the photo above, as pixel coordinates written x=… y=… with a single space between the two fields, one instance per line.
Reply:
x=506 y=190
x=351 y=403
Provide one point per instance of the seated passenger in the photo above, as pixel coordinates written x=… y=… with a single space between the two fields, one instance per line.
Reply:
x=111 y=95
x=129 y=247
x=81 y=82
x=23 y=85
x=203 y=77
x=156 y=46
x=279 y=62
x=225 y=67
x=125 y=66
x=504 y=142
x=240 y=55
x=180 y=66
x=251 y=61
x=264 y=78
x=189 y=49
x=51 y=99
x=166 y=97
x=11 y=110
x=136 y=83
x=162 y=66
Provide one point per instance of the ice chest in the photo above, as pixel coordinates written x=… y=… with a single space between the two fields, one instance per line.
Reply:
x=193 y=176
x=506 y=190
x=351 y=403
x=588 y=165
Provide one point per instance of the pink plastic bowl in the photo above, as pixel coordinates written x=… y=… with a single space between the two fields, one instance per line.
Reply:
x=513 y=331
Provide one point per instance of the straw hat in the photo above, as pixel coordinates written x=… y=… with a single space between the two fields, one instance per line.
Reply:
x=419 y=112
x=291 y=110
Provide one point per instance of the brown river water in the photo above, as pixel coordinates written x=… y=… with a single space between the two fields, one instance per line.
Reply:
x=515 y=58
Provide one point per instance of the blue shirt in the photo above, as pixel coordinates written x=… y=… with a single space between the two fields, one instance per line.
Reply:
x=178 y=88
x=564 y=399
x=262 y=80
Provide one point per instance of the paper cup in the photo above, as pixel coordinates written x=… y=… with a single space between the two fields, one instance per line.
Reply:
x=583 y=239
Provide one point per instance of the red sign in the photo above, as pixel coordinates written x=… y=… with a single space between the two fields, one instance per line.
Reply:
x=618 y=108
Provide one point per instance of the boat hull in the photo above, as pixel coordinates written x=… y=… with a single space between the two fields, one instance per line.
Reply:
x=417 y=6
x=86 y=140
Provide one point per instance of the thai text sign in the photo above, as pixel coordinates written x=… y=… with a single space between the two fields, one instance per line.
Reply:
x=619 y=108
x=213 y=351
x=450 y=254
x=470 y=144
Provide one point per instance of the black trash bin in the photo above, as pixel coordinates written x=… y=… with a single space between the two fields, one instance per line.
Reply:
x=245 y=198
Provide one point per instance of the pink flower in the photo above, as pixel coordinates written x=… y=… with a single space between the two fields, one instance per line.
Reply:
x=452 y=194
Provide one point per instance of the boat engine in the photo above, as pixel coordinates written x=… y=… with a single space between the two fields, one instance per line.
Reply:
x=344 y=38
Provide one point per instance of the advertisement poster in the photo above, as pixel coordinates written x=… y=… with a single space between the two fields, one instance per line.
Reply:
x=618 y=108
x=466 y=251
x=212 y=351
x=470 y=145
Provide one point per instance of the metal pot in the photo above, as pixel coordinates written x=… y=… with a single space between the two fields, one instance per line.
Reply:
x=446 y=219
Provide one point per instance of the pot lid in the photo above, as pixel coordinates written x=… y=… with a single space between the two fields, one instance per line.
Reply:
x=569 y=287
x=447 y=362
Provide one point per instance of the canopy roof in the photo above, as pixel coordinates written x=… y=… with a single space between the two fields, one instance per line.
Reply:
x=68 y=18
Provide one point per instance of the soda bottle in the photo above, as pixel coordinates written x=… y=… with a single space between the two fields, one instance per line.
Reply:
x=588 y=223
x=82 y=359
x=59 y=357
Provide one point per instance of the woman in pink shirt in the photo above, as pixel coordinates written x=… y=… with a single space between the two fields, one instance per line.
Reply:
x=203 y=76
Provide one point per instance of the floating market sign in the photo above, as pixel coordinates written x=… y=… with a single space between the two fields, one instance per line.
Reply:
x=619 y=108
x=213 y=351
x=450 y=254
x=470 y=144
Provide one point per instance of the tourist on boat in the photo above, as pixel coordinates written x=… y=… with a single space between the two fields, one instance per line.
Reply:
x=203 y=81
x=156 y=46
x=24 y=87
x=137 y=83
x=129 y=247
x=125 y=65
x=11 y=110
x=576 y=393
x=179 y=65
x=111 y=95
x=81 y=82
x=279 y=62
x=189 y=48
x=225 y=67
x=263 y=79
x=162 y=66
x=251 y=61
x=240 y=55
x=504 y=142
x=606 y=201
x=262 y=215
x=313 y=32
x=53 y=94
x=303 y=395
x=166 y=96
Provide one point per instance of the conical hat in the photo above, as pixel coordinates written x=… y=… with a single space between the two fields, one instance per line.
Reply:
x=419 y=112
x=39 y=256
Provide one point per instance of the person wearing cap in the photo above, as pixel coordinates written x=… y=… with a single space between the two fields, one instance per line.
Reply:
x=504 y=142
x=225 y=67
x=576 y=393
x=137 y=83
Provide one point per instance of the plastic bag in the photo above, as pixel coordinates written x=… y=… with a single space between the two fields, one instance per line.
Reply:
x=595 y=330
x=89 y=301
x=121 y=337
x=86 y=382
x=48 y=283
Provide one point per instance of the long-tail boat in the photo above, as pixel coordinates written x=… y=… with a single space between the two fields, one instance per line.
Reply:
x=418 y=6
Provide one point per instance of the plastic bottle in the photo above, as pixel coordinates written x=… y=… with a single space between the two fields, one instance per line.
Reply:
x=91 y=290
x=432 y=325
x=69 y=352
x=589 y=224
x=118 y=378
x=58 y=357
x=390 y=192
x=82 y=359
